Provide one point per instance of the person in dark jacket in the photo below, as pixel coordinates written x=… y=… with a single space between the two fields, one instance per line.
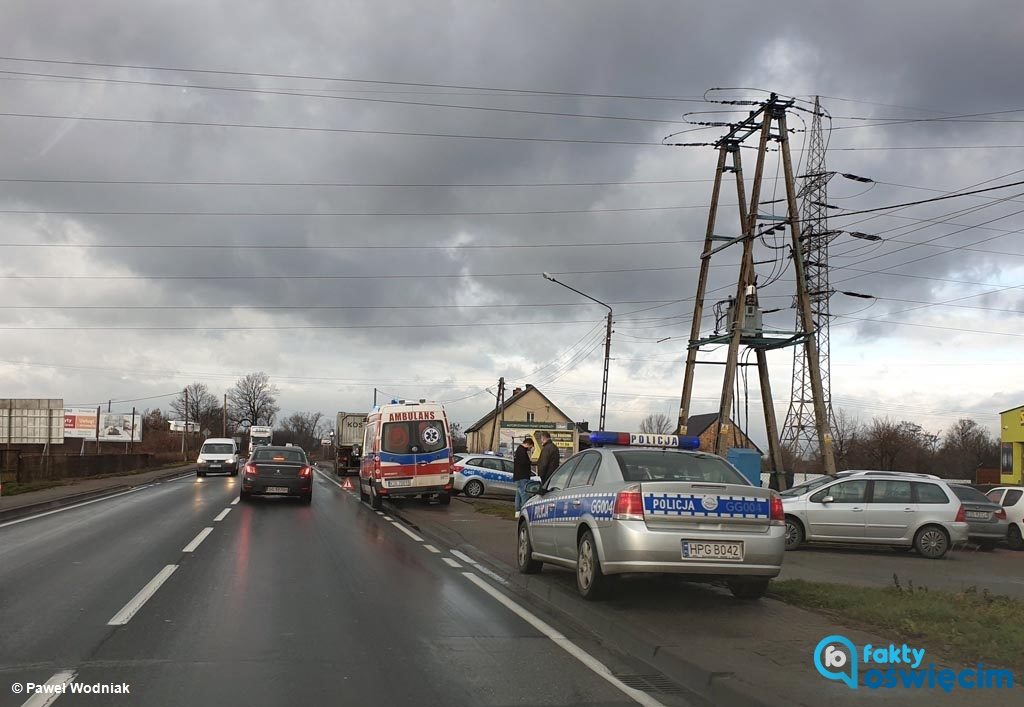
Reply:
x=522 y=470
x=549 y=457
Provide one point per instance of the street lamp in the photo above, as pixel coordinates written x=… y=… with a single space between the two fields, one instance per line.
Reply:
x=607 y=343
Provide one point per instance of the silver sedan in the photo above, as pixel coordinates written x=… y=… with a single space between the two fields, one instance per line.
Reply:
x=627 y=509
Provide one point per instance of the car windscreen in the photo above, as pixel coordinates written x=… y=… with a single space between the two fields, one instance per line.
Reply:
x=664 y=465
x=801 y=489
x=279 y=455
x=966 y=493
x=217 y=449
x=413 y=437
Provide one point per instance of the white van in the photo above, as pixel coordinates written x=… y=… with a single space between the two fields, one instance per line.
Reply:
x=218 y=454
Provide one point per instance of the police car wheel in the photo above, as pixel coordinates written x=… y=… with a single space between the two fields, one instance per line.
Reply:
x=590 y=579
x=524 y=553
x=749 y=589
x=473 y=489
x=794 y=534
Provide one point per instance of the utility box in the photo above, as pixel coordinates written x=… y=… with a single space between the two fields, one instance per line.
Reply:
x=752 y=320
x=748 y=461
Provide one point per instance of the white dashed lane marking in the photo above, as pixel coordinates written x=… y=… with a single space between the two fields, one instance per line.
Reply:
x=223 y=514
x=450 y=562
x=198 y=539
x=125 y=615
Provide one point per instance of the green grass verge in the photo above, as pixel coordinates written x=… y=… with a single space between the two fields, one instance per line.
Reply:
x=964 y=627
x=492 y=508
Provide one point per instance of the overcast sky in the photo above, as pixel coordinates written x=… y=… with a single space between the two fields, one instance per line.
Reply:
x=444 y=323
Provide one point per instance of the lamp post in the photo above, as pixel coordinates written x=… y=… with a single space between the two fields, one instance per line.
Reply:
x=607 y=343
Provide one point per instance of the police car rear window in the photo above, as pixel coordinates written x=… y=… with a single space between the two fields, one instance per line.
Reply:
x=658 y=465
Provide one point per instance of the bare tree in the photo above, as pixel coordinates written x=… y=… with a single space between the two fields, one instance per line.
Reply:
x=253 y=400
x=304 y=429
x=966 y=446
x=656 y=423
x=203 y=407
x=846 y=430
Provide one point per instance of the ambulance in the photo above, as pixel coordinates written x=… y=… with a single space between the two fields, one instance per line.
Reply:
x=407 y=452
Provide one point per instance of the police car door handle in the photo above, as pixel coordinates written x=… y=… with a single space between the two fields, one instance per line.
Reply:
x=857 y=510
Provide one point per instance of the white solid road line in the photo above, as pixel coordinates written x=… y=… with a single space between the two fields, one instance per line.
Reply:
x=48 y=697
x=198 y=539
x=221 y=515
x=432 y=549
x=564 y=643
x=450 y=562
x=67 y=508
x=389 y=518
x=235 y=502
x=325 y=477
x=408 y=532
x=125 y=615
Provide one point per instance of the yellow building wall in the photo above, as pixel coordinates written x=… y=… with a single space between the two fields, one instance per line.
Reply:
x=532 y=401
x=1011 y=431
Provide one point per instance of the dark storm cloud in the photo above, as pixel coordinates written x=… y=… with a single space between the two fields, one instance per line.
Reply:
x=913 y=54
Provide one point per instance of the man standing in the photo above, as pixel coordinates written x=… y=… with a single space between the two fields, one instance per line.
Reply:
x=549 y=458
x=521 y=471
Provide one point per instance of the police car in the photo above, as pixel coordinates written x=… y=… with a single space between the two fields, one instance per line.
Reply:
x=651 y=503
x=477 y=475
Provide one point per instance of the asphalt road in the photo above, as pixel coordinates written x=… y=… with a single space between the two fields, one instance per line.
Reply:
x=279 y=603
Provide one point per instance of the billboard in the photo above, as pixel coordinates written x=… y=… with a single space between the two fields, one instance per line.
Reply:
x=511 y=434
x=80 y=423
x=31 y=421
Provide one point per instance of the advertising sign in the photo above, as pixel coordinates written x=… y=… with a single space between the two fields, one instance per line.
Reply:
x=113 y=426
x=31 y=421
x=511 y=434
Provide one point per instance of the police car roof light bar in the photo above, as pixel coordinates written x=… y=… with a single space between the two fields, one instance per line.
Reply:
x=643 y=439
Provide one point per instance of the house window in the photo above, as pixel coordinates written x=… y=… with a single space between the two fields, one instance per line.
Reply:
x=529 y=417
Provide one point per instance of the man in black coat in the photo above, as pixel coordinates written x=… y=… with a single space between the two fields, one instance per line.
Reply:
x=522 y=471
x=549 y=457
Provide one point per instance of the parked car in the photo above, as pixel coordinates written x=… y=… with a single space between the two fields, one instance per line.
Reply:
x=645 y=503
x=986 y=521
x=876 y=508
x=481 y=474
x=1012 y=500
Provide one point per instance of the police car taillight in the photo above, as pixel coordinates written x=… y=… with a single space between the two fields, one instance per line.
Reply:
x=629 y=505
x=778 y=515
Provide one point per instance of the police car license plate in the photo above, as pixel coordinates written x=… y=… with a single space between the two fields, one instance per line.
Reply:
x=277 y=489
x=393 y=483
x=700 y=550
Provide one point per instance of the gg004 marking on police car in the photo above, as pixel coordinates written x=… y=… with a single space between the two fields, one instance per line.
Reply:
x=707 y=505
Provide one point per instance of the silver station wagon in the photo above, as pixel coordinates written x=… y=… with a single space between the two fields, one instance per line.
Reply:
x=876 y=508
x=648 y=503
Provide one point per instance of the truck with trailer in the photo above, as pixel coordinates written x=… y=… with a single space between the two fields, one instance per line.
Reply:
x=348 y=442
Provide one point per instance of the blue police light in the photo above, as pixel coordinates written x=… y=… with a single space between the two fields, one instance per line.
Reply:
x=644 y=439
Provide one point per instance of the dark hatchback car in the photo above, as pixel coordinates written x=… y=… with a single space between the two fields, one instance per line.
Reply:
x=278 y=471
x=986 y=521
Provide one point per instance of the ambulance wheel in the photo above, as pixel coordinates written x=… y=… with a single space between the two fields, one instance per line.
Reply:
x=524 y=552
x=590 y=578
x=444 y=499
x=473 y=489
x=362 y=494
x=749 y=589
x=376 y=502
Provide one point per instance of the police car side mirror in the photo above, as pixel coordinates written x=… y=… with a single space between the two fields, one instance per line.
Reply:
x=533 y=488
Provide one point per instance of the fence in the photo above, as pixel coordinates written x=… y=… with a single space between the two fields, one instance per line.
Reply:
x=26 y=468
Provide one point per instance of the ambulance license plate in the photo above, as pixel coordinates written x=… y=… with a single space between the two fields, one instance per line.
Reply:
x=701 y=550
x=395 y=483
x=277 y=489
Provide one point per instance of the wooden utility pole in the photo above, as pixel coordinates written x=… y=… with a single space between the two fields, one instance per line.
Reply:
x=770 y=113
x=184 y=434
x=224 y=422
x=499 y=400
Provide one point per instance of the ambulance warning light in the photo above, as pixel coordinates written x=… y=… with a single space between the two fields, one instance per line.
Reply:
x=643 y=439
